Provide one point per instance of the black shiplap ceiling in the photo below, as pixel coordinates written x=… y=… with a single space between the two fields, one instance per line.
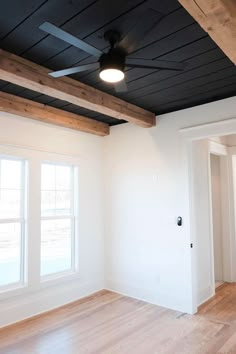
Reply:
x=208 y=76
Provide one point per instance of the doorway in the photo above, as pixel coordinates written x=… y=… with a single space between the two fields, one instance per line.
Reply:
x=212 y=192
x=200 y=142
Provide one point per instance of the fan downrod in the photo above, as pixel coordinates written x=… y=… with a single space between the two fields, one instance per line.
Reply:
x=112 y=36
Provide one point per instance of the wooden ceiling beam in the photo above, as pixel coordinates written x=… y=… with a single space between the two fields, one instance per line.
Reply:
x=22 y=72
x=218 y=19
x=37 y=111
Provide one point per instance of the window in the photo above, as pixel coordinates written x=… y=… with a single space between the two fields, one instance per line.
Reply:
x=57 y=219
x=38 y=219
x=12 y=221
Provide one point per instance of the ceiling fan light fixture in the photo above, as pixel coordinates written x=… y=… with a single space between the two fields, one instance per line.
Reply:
x=111 y=75
x=112 y=66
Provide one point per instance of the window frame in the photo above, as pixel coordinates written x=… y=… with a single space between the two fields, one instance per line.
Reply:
x=22 y=220
x=33 y=158
x=73 y=219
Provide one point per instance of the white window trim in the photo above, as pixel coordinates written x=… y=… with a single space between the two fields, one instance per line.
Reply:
x=34 y=158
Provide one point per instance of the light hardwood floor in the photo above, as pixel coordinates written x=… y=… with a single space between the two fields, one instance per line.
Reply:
x=109 y=323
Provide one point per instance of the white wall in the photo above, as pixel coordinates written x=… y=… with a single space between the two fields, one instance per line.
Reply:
x=88 y=149
x=217 y=217
x=147 y=187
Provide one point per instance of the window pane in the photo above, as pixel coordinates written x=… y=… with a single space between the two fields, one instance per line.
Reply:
x=63 y=177
x=10 y=203
x=48 y=177
x=56 y=190
x=10 y=253
x=48 y=203
x=10 y=174
x=11 y=207
x=10 y=188
x=56 y=234
x=63 y=203
x=55 y=246
x=55 y=203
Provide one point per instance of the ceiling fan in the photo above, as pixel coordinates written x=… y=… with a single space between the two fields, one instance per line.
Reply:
x=113 y=63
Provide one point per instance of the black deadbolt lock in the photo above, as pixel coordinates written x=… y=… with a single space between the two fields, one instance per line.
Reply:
x=179 y=221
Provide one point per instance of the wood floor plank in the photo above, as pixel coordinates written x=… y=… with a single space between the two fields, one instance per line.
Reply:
x=109 y=323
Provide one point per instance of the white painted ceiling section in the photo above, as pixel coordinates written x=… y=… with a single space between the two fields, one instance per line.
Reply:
x=133 y=186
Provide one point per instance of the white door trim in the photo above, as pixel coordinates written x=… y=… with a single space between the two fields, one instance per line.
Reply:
x=189 y=135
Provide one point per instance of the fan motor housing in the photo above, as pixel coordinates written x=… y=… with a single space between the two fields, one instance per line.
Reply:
x=112 y=60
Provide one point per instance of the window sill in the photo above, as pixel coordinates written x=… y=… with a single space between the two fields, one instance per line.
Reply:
x=59 y=278
x=13 y=290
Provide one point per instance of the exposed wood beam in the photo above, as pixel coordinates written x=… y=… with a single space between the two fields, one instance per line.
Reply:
x=218 y=19
x=37 y=111
x=35 y=77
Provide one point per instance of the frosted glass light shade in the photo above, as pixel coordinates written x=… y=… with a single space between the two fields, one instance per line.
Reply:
x=112 y=75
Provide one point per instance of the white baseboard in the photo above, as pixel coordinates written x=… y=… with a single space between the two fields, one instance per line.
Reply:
x=32 y=304
x=21 y=307
x=205 y=295
x=149 y=295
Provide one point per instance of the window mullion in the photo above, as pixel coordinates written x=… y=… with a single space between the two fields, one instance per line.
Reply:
x=56 y=217
x=72 y=200
x=22 y=222
x=22 y=252
x=73 y=243
x=34 y=224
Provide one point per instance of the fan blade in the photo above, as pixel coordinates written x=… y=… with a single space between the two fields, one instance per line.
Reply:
x=142 y=28
x=121 y=86
x=74 y=70
x=154 y=64
x=69 y=38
